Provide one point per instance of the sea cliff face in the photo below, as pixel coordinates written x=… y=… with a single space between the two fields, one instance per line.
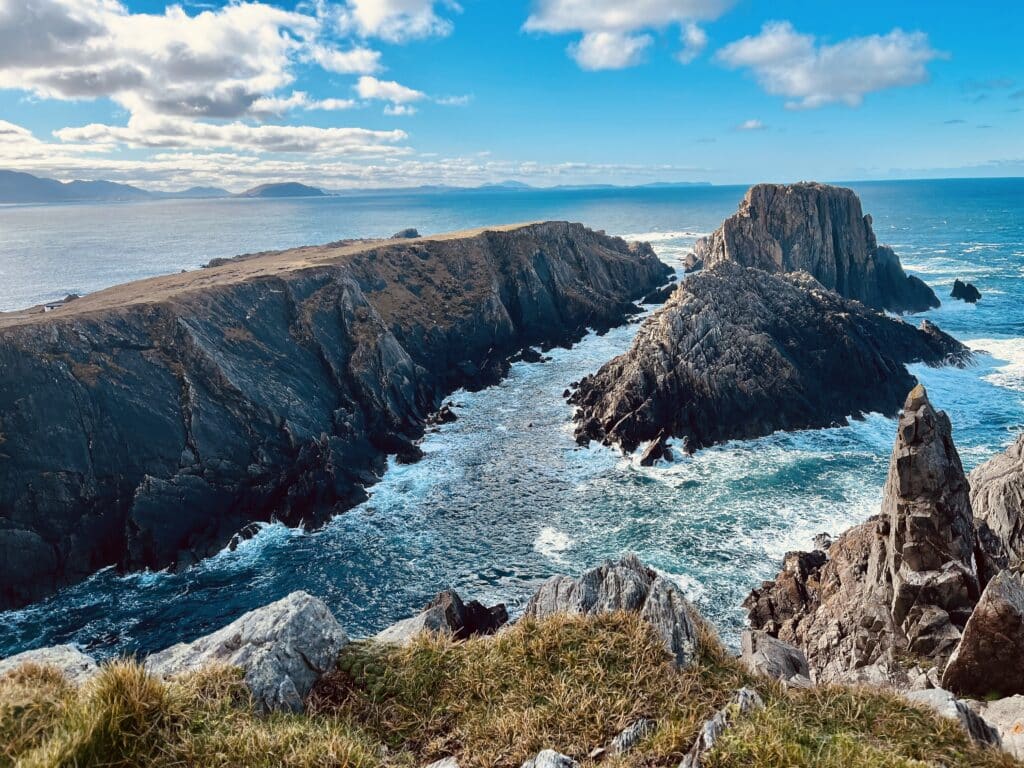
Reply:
x=821 y=230
x=144 y=426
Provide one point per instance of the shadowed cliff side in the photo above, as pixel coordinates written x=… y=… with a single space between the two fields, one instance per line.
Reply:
x=145 y=425
x=819 y=229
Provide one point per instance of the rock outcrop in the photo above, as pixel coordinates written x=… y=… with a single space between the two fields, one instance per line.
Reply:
x=77 y=667
x=144 y=425
x=549 y=758
x=765 y=655
x=740 y=353
x=446 y=614
x=282 y=648
x=987 y=660
x=1007 y=717
x=945 y=704
x=997 y=499
x=965 y=292
x=896 y=589
x=745 y=702
x=821 y=230
x=626 y=585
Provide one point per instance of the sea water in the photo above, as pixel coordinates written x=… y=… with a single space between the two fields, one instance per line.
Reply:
x=504 y=497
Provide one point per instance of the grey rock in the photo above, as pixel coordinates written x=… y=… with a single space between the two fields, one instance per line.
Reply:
x=626 y=585
x=965 y=292
x=945 y=704
x=997 y=498
x=821 y=230
x=765 y=655
x=1007 y=717
x=447 y=762
x=406 y=234
x=76 y=666
x=283 y=649
x=745 y=701
x=988 y=658
x=738 y=353
x=550 y=759
x=631 y=736
x=448 y=615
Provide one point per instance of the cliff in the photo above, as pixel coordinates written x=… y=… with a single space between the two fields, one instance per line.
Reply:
x=739 y=353
x=821 y=230
x=145 y=425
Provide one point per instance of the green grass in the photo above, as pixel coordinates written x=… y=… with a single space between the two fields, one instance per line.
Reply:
x=567 y=683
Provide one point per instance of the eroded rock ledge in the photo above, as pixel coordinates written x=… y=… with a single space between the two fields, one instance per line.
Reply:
x=145 y=425
x=739 y=353
x=821 y=230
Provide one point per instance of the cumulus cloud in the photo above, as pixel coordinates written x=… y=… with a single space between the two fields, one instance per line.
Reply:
x=788 y=63
x=391 y=20
x=400 y=97
x=355 y=61
x=614 y=32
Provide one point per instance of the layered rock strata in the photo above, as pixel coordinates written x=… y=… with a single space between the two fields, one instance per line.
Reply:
x=739 y=353
x=143 y=426
x=821 y=230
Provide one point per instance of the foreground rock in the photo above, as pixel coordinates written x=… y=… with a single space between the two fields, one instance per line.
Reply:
x=283 y=649
x=739 y=353
x=898 y=588
x=76 y=666
x=1007 y=717
x=821 y=230
x=997 y=498
x=965 y=292
x=945 y=704
x=765 y=655
x=626 y=585
x=446 y=614
x=550 y=759
x=144 y=425
x=987 y=660
x=745 y=702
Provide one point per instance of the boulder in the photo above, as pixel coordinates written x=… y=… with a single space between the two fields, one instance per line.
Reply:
x=659 y=295
x=898 y=588
x=945 y=704
x=1007 y=717
x=631 y=736
x=76 y=666
x=627 y=585
x=550 y=759
x=448 y=762
x=446 y=614
x=765 y=655
x=658 y=449
x=821 y=230
x=745 y=701
x=692 y=263
x=444 y=415
x=965 y=292
x=282 y=648
x=738 y=353
x=997 y=499
x=988 y=658
x=406 y=234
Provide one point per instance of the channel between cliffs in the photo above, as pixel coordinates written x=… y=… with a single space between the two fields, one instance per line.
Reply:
x=144 y=426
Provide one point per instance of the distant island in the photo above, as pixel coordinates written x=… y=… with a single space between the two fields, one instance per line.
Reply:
x=17 y=187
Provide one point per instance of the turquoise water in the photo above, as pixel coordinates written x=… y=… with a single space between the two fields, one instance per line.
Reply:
x=504 y=498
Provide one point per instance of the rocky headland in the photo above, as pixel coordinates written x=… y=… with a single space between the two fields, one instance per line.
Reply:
x=818 y=229
x=144 y=426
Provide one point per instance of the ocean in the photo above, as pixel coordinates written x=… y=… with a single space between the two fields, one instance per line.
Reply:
x=504 y=498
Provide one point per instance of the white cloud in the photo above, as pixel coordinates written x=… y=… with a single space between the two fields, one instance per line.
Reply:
x=613 y=30
x=790 y=64
x=355 y=61
x=279 y=105
x=751 y=125
x=609 y=50
x=387 y=90
x=454 y=101
x=392 y=20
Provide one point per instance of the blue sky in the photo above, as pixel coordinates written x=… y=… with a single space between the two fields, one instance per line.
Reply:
x=365 y=93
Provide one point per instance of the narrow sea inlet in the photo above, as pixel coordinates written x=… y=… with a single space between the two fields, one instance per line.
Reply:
x=504 y=497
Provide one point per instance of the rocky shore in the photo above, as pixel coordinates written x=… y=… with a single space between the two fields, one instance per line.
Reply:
x=146 y=425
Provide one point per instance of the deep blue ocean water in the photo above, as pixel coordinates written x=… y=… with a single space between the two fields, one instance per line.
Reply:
x=504 y=498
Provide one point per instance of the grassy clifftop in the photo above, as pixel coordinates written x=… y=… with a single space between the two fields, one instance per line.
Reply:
x=568 y=683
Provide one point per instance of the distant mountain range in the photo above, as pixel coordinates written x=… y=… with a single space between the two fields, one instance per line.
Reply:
x=18 y=187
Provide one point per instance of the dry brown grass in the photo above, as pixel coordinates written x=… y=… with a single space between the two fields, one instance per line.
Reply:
x=568 y=683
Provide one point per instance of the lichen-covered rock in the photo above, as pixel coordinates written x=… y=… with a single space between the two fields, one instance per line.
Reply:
x=765 y=655
x=631 y=736
x=738 y=353
x=745 y=701
x=997 y=499
x=146 y=424
x=549 y=758
x=626 y=585
x=819 y=229
x=282 y=648
x=1007 y=717
x=945 y=704
x=446 y=614
x=77 y=667
x=988 y=658
x=896 y=588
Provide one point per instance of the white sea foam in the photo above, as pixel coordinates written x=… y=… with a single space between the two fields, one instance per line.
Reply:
x=1009 y=351
x=552 y=543
x=661 y=237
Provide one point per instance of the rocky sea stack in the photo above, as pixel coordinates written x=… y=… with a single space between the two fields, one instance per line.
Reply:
x=821 y=230
x=145 y=425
